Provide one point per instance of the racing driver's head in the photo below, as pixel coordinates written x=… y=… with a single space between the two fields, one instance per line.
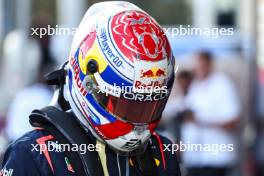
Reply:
x=120 y=73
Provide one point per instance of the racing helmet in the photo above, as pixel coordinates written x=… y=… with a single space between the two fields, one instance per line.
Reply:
x=119 y=75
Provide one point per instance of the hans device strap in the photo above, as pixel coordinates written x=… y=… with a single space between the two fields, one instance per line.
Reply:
x=66 y=130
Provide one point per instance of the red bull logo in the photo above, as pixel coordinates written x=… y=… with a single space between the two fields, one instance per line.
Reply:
x=153 y=73
x=160 y=73
x=147 y=74
x=151 y=84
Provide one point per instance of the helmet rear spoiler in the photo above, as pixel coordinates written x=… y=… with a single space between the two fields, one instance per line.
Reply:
x=57 y=78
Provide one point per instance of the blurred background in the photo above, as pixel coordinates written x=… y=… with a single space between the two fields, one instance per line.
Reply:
x=218 y=97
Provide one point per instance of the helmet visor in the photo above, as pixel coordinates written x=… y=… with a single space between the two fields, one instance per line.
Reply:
x=134 y=111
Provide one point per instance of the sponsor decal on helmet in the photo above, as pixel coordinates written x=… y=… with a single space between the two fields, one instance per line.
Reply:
x=104 y=40
x=145 y=97
x=150 y=74
x=77 y=79
x=119 y=64
x=151 y=84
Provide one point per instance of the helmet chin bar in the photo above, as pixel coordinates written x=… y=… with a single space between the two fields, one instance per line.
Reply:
x=140 y=150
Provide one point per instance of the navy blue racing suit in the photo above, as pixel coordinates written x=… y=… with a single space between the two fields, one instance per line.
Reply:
x=24 y=158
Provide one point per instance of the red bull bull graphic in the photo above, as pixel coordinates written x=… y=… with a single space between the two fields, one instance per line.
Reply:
x=153 y=73
x=160 y=73
x=147 y=74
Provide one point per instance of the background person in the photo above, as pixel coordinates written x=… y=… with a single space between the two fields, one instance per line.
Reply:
x=36 y=93
x=213 y=100
x=176 y=109
x=35 y=96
